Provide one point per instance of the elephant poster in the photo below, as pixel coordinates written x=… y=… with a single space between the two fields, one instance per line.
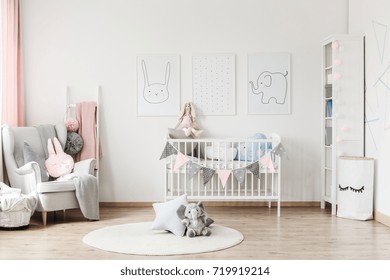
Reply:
x=269 y=83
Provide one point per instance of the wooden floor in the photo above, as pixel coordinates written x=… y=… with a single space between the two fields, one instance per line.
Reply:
x=301 y=233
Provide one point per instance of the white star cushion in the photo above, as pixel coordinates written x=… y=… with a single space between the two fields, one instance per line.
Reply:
x=166 y=216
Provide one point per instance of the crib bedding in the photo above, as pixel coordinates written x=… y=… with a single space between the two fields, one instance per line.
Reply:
x=221 y=153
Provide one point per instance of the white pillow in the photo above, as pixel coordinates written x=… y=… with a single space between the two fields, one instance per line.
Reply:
x=166 y=216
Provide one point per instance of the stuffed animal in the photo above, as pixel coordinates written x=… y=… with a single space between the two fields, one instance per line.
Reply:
x=195 y=218
x=58 y=163
x=250 y=151
x=187 y=121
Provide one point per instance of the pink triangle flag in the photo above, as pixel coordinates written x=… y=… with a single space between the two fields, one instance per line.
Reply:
x=223 y=175
x=267 y=162
x=180 y=161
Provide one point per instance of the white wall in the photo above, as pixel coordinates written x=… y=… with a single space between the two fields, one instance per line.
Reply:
x=372 y=18
x=85 y=43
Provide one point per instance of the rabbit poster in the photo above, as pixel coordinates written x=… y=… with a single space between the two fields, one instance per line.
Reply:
x=158 y=88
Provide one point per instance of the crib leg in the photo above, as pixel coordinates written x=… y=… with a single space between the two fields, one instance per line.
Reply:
x=269 y=204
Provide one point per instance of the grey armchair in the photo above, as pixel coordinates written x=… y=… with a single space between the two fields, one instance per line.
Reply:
x=52 y=195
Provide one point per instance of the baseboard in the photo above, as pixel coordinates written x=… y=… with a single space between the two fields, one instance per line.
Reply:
x=221 y=203
x=382 y=218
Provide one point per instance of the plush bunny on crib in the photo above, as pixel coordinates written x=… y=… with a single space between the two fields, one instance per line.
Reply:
x=58 y=163
x=187 y=121
x=195 y=218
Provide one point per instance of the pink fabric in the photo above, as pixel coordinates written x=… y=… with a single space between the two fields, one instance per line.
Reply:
x=186 y=122
x=12 y=85
x=223 y=175
x=267 y=162
x=180 y=161
x=86 y=116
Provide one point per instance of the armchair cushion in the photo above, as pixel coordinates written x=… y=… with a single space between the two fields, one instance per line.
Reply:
x=29 y=155
x=56 y=186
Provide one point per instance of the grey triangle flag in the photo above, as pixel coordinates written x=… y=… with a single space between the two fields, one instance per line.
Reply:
x=254 y=168
x=279 y=150
x=193 y=168
x=168 y=150
x=239 y=174
x=207 y=174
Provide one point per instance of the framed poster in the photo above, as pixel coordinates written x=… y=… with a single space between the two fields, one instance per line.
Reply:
x=158 y=85
x=213 y=84
x=269 y=83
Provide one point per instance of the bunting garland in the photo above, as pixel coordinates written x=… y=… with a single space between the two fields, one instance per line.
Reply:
x=267 y=161
x=223 y=174
x=208 y=173
x=239 y=174
x=168 y=150
x=181 y=159
x=193 y=168
x=279 y=150
x=254 y=168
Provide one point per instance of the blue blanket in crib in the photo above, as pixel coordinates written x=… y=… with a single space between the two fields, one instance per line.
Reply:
x=253 y=151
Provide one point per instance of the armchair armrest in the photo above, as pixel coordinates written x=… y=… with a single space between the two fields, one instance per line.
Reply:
x=86 y=166
x=31 y=168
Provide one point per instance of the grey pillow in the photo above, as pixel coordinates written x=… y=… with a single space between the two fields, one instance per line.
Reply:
x=179 y=134
x=29 y=155
x=74 y=143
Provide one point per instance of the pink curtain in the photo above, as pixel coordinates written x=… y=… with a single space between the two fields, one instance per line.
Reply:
x=12 y=86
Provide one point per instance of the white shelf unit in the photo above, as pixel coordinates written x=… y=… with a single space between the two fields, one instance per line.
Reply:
x=343 y=90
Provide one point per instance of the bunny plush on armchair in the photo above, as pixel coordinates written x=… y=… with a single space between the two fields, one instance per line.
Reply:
x=58 y=163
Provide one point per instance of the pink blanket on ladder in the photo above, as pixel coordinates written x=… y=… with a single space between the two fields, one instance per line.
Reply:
x=86 y=116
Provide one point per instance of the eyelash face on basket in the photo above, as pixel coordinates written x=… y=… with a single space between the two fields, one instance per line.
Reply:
x=358 y=190
x=352 y=189
x=343 y=189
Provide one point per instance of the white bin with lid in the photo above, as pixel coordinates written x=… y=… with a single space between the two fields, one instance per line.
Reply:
x=355 y=188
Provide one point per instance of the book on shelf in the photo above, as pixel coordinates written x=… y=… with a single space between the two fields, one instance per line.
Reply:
x=328 y=136
x=329 y=107
x=328 y=90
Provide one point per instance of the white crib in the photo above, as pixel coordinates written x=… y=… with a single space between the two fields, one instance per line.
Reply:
x=234 y=156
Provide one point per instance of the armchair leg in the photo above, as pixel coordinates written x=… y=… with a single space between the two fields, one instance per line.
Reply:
x=44 y=218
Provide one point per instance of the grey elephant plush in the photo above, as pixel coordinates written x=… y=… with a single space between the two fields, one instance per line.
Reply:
x=195 y=218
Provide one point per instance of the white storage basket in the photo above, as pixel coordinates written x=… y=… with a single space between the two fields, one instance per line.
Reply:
x=16 y=209
x=355 y=190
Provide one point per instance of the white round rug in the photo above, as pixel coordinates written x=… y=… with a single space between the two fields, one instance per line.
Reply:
x=140 y=239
